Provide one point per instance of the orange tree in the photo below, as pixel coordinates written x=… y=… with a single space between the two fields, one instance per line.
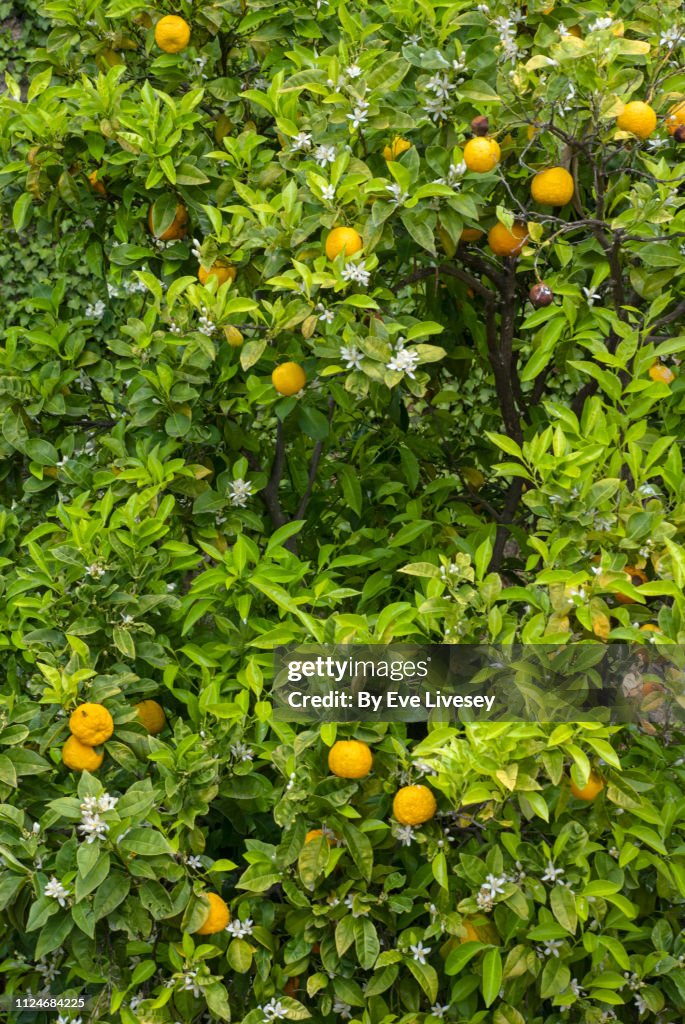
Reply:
x=349 y=323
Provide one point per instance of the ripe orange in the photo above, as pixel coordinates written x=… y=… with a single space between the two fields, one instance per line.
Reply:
x=659 y=372
x=637 y=578
x=151 y=715
x=222 y=272
x=675 y=117
x=471 y=933
x=91 y=724
x=317 y=833
x=413 y=805
x=178 y=227
x=504 y=242
x=340 y=239
x=97 y=186
x=553 y=187
x=350 y=759
x=80 y=756
x=172 y=34
x=638 y=118
x=217 y=917
x=470 y=235
x=481 y=154
x=591 y=790
x=288 y=378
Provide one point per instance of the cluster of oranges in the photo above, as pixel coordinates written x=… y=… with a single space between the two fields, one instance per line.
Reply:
x=91 y=725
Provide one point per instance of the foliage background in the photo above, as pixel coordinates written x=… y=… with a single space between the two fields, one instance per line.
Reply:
x=488 y=477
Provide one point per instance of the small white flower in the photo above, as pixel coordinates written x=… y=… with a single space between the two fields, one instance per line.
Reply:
x=436 y=109
x=671 y=37
x=190 y=983
x=324 y=155
x=328 y=193
x=601 y=24
x=56 y=890
x=239 y=929
x=406 y=835
x=356 y=272
x=353 y=71
x=552 y=873
x=420 y=952
x=303 y=140
x=194 y=862
x=397 y=192
x=404 y=361
x=413 y=40
x=273 y=1010
x=325 y=315
x=112 y=291
x=576 y=988
x=95 y=570
x=495 y=885
x=640 y=1004
x=242 y=751
x=93 y=827
x=239 y=491
x=439 y=1011
x=360 y=114
x=440 y=85
x=351 y=357
x=342 y=1009
x=552 y=947
x=95 y=311
x=590 y=296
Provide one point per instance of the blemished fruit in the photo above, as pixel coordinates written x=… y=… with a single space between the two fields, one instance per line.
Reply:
x=172 y=34
x=471 y=933
x=217 y=918
x=541 y=295
x=317 y=833
x=80 y=756
x=481 y=154
x=350 y=759
x=659 y=372
x=637 y=578
x=151 y=715
x=97 y=186
x=553 y=187
x=591 y=790
x=679 y=133
x=91 y=724
x=340 y=239
x=413 y=805
x=222 y=272
x=470 y=234
x=675 y=118
x=480 y=125
x=178 y=227
x=504 y=242
x=234 y=337
x=397 y=147
x=638 y=118
x=288 y=378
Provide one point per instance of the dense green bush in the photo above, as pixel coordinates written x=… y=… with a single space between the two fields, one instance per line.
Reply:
x=460 y=467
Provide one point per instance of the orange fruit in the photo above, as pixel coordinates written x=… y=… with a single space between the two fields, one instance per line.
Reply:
x=217 y=916
x=504 y=242
x=471 y=933
x=481 y=154
x=151 y=715
x=638 y=118
x=470 y=234
x=413 y=805
x=178 y=227
x=397 y=147
x=659 y=372
x=350 y=759
x=288 y=378
x=80 y=756
x=91 y=724
x=553 y=187
x=221 y=271
x=343 y=239
x=675 y=117
x=637 y=578
x=317 y=833
x=97 y=186
x=172 y=34
x=591 y=790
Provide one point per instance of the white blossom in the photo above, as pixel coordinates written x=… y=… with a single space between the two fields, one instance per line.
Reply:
x=324 y=155
x=551 y=948
x=239 y=929
x=552 y=873
x=328 y=193
x=353 y=71
x=325 y=315
x=406 y=835
x=56 y=890
x=239 y=491
x=303 y=140
x=93 y=827
x=351 y=357
x=405 y=360
x=241 y=751
x=194 y=862
x=356 y=272
x=190 y=983
x=439 y=1011
x=671 y=37
x=273 y=1010
x=342 y=1008
x=600 y=24
x=397 y=192
x=420 y=952
x=360 y=114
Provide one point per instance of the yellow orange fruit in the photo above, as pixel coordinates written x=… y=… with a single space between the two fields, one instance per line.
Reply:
x=553 y=187
x=151 y=715
x=470 y=234
x=91 y=724
x=222 y=272
x=637 y=578
x=343 y=239
x=481 y=154
x=97 y=186
x=80 y=756
x=591 y=790
x=317 y=833
x=178 y=227
x=504 y=242
x=217 y=918
x=638 y=118
x=397 y=147
x=350 y=759
x=675 y=117
x=413 y=805
x=234 y=337
x=659 y=372
x=471 y=935
x=288 y=378
x=172 y=34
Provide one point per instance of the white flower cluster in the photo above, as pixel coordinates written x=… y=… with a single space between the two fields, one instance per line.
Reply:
x=239 y=491
x=273 y=1010
x=351 y=357
x=207 y=326
x=356 y=272
x=95 y=311
x=239 y=929
x=454 y=176
x=241 y=751
x=403 y=360
x=92 y=826
x=56 y=890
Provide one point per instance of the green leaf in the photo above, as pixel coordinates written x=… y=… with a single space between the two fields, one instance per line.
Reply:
x=563 y=904
x=427 y=978
x=492 y=976
x=366 y=942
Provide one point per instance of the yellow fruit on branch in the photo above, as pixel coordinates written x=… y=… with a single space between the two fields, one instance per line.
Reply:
x=591 y=790
x=350 y=759
x=91 y=724
x=345 y=240
x=151 y=715
x=178 y=227
x=481 y=154
x=222 y=272
x=288 y=378
x=97 y=186
x=172 y=34
x=553 y=187
x=397 y=147
x=317 y=833
x=413 y=805
x=660 y=373
x=637 y=578
x=675 y=118
x=217 y=918
x=470 y=933
x=470 y=234
x=81 y=756
x=504 y=242
x=638 y=118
